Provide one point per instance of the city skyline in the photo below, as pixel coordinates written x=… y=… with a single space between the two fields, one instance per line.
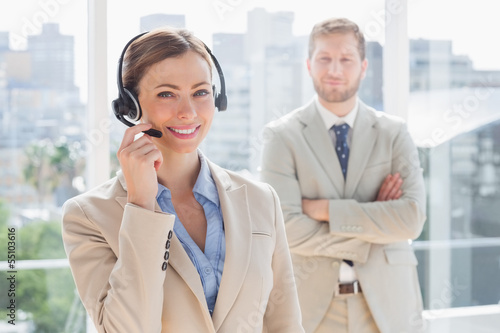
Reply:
x=223 y=16
x=268 y=38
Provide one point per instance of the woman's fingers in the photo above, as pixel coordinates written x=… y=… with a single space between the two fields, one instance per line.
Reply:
x=139 y=160
x=130 y=133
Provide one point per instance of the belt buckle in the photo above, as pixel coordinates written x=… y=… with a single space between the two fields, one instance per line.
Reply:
x=355 y=288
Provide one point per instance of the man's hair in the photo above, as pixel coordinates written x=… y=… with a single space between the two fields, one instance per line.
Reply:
x=337 y=25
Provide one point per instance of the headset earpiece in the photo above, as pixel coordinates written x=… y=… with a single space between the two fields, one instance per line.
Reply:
x=127 y=106
x=221 y=102
x=134 y=111
x=117 y=106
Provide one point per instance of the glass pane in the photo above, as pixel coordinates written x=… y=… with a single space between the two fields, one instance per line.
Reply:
x=46 y=301
x=262 y=48
x=43 y=80
x=453 y=116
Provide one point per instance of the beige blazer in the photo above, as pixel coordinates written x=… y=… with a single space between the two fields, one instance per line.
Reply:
x=299 y=161
x=116 y=251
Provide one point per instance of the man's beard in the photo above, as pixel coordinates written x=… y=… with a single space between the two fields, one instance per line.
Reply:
x=337 y=96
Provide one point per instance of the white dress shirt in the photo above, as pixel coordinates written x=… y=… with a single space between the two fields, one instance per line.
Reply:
x=347 y=273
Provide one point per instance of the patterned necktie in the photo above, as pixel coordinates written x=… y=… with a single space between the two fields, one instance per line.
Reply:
x=341 y=146
x=342 y=150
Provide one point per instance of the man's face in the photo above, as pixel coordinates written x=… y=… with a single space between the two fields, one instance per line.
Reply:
x=336 y=67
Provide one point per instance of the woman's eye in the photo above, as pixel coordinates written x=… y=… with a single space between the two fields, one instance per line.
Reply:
x=165 y=94
x=203 y=92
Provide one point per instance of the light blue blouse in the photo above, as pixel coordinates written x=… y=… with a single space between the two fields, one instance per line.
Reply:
x=211 y=263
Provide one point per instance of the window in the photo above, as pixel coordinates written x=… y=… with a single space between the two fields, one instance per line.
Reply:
x=42 y=162
x=453 y=116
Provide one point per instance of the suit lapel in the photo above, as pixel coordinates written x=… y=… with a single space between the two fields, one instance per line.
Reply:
x=321 y=144
x=237 y=225
x=180 y=262
x=364 y=137
x=122 y=201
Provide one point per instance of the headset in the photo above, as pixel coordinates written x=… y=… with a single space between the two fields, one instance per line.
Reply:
x=127 y=103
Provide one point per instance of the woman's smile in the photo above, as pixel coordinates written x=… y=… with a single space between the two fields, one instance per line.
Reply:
x=184 y=133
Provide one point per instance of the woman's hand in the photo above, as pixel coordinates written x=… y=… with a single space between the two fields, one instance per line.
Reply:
x=140 y=160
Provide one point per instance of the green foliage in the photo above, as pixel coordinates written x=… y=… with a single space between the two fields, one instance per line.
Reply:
x=40 y=240
x=47 y=296
x=37 y=169
x=51 y=164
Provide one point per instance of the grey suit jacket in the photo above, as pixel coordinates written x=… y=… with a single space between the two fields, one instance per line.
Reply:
x=299 y=161
x=116 y=251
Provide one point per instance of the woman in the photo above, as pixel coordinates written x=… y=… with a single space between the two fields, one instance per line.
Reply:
x=175 y=243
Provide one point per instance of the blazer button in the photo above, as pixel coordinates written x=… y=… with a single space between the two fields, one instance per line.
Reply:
x=170 y=233
x=167 y=255
x=167 y=245
x=164 y=266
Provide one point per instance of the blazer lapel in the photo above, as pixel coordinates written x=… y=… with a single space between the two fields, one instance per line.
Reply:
x=237 y=224
x=364 y=137
x=179 y=260
x=321 y=144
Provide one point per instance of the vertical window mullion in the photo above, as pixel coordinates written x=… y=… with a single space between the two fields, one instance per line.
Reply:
x=98 y=161
x=396 y=58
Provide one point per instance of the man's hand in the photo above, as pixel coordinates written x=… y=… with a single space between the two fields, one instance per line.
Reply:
x=316 y=209
x=391 y=188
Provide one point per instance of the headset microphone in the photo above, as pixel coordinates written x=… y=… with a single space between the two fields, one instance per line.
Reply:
x=127 y=103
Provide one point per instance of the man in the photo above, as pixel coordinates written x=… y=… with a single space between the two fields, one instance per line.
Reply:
x=352 y=196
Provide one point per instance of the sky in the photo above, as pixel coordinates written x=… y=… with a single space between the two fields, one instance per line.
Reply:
x=472 y=35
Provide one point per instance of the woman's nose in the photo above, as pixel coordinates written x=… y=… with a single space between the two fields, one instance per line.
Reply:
x=186 y=109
